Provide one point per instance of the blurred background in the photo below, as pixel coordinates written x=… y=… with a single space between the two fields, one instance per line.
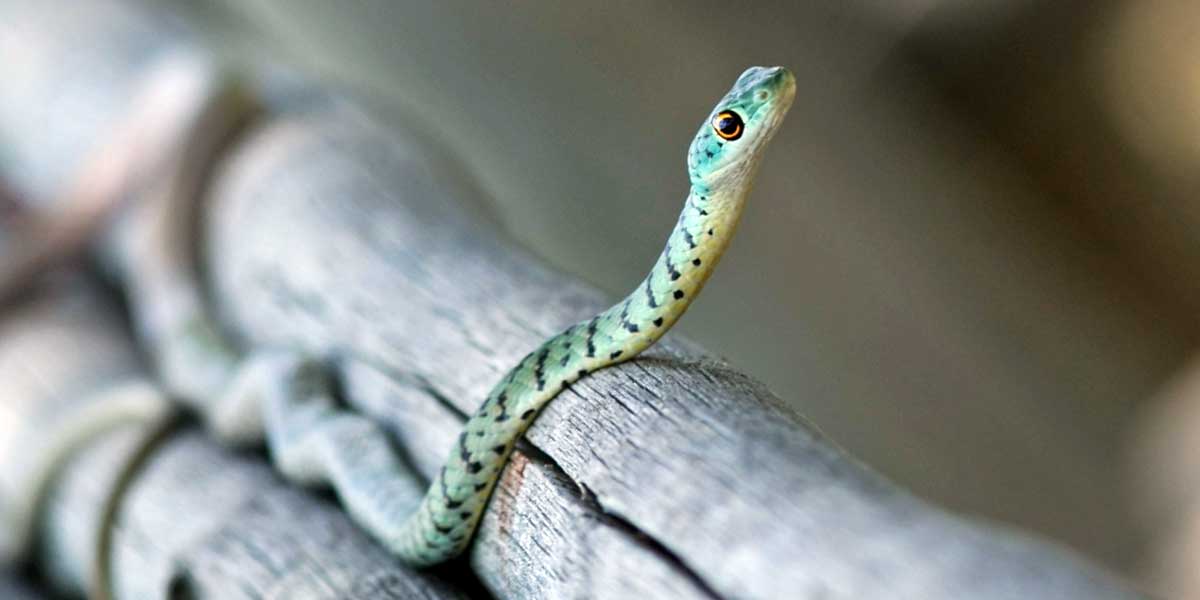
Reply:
x=973 y=255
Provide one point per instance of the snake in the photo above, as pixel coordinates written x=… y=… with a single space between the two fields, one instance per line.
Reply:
x=287 y=398
x=722 y=162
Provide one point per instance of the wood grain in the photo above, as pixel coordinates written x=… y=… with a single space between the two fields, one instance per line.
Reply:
x=196 y=516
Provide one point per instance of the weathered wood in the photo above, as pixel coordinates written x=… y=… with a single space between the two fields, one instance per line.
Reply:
x=60 y=365
x=195 y=516
x=220 y=524
x=69 y=78
x=248 y=535
x=329 y=235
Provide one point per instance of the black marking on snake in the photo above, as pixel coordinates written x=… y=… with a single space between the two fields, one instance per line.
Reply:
x=696 y=261
x=678 y=294
x=501 y=449
x=658 y=322
x=625 y=322
x=710 y=154
x=463 y=453
x=675 y=274
x=529 y=413
x=466 y=515
x=442 y=479
x=513 y=373
x=615 y=354
x=480 y=432
x=583 y=372
x=442 y=530
x=710 y=232
x=565 y=359
x=452 y=504
x=479 y=487
x=521 y=365
x=591 y=338
x=539 y=370
x=474 y=467
x=649 y=294
x=687 y=237
x=501 y=401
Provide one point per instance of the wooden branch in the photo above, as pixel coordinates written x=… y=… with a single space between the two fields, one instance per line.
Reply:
x=670 y=476
x=195 y=516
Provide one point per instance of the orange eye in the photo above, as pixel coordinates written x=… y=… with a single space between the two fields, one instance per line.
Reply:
x=728 y=125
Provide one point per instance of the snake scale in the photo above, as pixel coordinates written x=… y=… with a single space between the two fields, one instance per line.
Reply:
x=287 y=399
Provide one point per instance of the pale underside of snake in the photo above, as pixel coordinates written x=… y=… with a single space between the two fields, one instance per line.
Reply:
x=289 y=398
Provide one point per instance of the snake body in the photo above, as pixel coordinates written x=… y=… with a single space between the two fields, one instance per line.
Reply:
x=283 y=397
x=722 y=162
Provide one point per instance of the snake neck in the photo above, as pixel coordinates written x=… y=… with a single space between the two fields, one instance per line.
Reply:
x=705 y=227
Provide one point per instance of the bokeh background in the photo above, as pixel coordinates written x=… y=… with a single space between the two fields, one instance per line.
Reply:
x=973 y=256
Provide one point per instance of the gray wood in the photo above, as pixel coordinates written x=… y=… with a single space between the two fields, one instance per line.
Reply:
x=70 y=75
x=57 y=361
x=195 y=516
x=332 y=236
x=222 y=526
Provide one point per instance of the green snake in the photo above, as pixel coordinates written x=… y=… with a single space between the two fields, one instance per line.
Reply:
x=287 y=399
x=722 y=161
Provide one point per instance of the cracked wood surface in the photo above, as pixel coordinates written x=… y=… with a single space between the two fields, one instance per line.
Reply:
x=670 y=476
x=196 y=517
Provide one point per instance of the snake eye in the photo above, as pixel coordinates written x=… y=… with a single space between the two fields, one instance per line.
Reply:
x=728 y=125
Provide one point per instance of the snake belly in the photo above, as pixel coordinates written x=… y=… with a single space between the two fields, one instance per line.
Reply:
x=722 y=162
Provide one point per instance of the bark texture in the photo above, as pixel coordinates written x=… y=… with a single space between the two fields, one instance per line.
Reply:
x=194 y=516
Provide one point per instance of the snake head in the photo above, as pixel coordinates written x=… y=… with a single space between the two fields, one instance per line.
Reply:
x=731 y=141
